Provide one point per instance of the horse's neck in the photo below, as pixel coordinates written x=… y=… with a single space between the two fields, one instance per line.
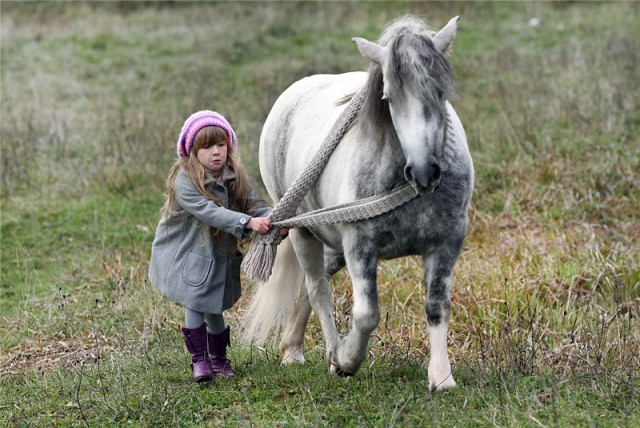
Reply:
x=381 y=161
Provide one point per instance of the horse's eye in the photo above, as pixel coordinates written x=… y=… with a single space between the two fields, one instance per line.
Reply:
x=386 y=98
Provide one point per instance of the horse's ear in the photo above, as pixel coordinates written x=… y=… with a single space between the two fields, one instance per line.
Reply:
x=443 y=40
x=374 y=52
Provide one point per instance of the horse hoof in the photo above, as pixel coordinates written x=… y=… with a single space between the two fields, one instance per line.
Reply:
x=338 y=371
x=293 y=357
x=344 y=373
x=443 y=386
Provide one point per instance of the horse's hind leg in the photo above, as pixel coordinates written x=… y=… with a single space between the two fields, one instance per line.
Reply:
x=291 y=345
x=293 y=336
x=439 y=267
x=310 y=254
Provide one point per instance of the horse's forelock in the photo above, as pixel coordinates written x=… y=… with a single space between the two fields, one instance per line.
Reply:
x=415 y=62
x=406 y=25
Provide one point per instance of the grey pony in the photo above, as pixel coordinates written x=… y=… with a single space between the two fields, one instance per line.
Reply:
x=398 y=137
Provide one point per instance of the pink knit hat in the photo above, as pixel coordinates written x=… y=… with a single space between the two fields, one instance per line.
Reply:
x=196 y=122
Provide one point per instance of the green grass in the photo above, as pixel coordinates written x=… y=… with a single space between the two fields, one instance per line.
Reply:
x=154 y=391
x=546 y=295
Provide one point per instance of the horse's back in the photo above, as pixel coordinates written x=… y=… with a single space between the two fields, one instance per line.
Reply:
x=299 y=119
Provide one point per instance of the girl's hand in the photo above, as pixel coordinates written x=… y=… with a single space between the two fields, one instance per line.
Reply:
x=259 y=225
x=283 y=231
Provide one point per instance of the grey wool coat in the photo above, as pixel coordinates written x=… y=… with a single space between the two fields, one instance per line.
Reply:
x=186 y=264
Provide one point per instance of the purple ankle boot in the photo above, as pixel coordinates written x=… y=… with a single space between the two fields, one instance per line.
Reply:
x=196 y=341
x=220 y=365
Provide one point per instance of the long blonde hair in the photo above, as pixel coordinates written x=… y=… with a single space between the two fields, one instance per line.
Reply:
x=239 y=189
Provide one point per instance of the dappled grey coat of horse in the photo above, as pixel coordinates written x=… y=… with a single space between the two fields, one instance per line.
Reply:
x=398 y=136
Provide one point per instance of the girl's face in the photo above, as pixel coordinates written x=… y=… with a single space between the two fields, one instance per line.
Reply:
x=214 y=157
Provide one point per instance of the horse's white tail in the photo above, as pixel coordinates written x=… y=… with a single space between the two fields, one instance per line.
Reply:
x=273 y=300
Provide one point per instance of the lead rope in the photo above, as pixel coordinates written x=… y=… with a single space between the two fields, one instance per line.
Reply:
x=258 y=262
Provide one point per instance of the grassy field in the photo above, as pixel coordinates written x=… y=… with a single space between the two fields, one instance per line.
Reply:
x=545 y=328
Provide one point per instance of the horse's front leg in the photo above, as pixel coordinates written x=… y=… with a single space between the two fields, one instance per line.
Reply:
x=361 y=264
x=438 y=269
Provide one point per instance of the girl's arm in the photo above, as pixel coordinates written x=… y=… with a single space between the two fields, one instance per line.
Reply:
x=259 y=206
x=190 y=199
x=262 y=209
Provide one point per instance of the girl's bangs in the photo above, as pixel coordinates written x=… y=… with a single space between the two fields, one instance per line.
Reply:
x=208 y=136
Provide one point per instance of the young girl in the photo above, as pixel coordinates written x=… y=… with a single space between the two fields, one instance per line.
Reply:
x=194 y=258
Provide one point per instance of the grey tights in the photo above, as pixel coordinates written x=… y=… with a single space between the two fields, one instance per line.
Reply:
x=194 y=319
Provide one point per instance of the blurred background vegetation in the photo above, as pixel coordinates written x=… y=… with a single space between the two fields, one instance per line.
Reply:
x=93 y=96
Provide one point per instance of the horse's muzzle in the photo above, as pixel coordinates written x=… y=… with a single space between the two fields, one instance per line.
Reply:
x=425 y=179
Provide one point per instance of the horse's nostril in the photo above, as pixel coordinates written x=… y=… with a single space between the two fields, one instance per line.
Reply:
x=435 y=171
x=408 y=173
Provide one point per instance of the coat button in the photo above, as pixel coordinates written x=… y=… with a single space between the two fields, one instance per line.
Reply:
x=243 y=220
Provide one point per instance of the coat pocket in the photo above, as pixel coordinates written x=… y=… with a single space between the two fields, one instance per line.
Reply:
x=196 y=269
